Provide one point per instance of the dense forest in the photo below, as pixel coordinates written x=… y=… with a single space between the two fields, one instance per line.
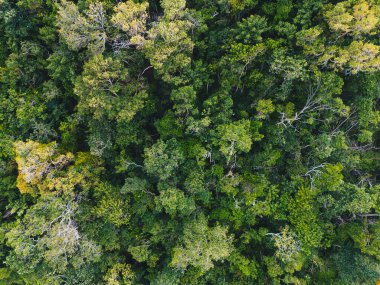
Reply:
x=189 y=142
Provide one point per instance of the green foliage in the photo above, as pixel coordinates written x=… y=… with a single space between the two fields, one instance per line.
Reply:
x=82 y=31
x=234 y=138
x=131 y=17
x=184 y=101
x=302 y=216
x=168 y=46
x=174 y=201
x=264 y=108
x=250 y=29
x=102 y=92
x=163 y=159
x=111 y=206
x=287 y=245
x=119 y=274
x=37 y=164
x=189 y=142
x=48 y=233
x=361 y=269
x=201 y=246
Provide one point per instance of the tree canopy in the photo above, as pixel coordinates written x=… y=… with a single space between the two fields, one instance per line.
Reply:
x=189 y=142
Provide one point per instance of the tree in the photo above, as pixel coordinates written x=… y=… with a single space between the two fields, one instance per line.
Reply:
x=120 y=274
x=357 y=57
x=289 y=68
x=264 y=108
x=201 y=246
x=287 y=244
x=42 y=170
x=358 y=19
x=168 y=46
x=111 y=206
x=104 y=92
x=49 y=233
x=304 y=220
x=234 y=138
x=245 y=54
x=250 y=29
x=184 y=101
x=163 y=158
x=38 y=163
x=131 y=18
x=362 y=269
x=174 y=201
x=288 y=250
x=80 y=31
x=311 y=41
